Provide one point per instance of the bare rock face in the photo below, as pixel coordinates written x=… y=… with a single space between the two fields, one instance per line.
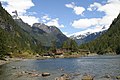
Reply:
x=47 y=29
x=42 y=27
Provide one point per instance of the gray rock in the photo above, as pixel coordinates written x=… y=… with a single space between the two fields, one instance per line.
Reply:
x=45 y=74
x=13 y=67
x=63 y=77
x=87 y=77
x=118 y=77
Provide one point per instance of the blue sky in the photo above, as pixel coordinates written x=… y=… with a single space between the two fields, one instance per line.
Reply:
x=72 y=17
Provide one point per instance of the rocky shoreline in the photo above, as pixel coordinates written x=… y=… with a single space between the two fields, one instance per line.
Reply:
x=8 y=60
x=63 y=76
x=3 y=62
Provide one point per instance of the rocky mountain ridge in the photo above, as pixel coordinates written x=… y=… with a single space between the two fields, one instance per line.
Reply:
x=43 y=33
x=86 y=37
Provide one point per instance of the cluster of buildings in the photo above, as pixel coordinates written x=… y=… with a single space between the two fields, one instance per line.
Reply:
x=61 y=52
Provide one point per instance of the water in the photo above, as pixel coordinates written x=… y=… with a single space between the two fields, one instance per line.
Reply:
x=97 y=66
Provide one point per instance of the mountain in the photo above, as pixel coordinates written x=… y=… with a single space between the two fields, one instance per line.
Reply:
x=86 y=37
x=15 y=38
x=52 y=32
x=18 y=37
x=107 y=42
x=43 y=33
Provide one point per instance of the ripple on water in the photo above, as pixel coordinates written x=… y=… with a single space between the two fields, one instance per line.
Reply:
x=97 y=66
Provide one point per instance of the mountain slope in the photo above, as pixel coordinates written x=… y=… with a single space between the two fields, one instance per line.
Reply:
x=19 y=37
x=17 y=40
x=43 y=33
x=108 y=42
x=52 y=33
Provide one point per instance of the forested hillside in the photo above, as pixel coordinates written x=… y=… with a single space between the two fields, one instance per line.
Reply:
x=13 y=39
x=108 y=42
x=17 y=37
x=43 y=33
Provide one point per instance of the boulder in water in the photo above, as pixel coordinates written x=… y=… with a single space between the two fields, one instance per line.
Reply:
x=45 y=74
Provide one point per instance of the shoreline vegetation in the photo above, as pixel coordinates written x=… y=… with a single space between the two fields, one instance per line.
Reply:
x=39 y=57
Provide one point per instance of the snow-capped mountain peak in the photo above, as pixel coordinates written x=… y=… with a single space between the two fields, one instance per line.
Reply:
x=85 y=33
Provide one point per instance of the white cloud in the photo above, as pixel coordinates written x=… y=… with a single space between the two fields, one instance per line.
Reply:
x=51 y=21
x=72 y=5
x=30 y=19
x=85 y=23
x=54 y=22
x=31 y=13
x=21 y=6
x=88 y=30
x=66 y=33
x=45 y=18
x=111 y=10
x=78 y=10
x=94 y=6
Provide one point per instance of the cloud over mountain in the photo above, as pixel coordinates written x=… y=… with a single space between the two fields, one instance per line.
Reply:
x=111 y=9
x=21 y=6
x=51 y=21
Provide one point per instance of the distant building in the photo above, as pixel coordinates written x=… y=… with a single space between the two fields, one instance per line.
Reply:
x=48 y=54
x=58 y=51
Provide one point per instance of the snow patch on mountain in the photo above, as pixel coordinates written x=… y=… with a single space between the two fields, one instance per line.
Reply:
x=85 y=33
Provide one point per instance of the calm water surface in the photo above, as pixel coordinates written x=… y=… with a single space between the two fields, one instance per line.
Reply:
x=97 y=66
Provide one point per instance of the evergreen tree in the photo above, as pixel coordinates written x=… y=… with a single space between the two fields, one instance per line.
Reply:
x=3 y=47
x=53 y=47
x=39 y=48
x=70 y=45
x=73 y=45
